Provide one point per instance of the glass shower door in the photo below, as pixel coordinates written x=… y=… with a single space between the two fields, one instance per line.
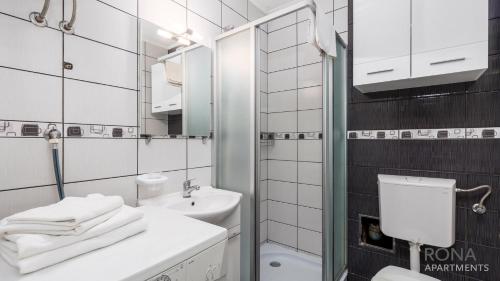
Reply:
x=235 y=132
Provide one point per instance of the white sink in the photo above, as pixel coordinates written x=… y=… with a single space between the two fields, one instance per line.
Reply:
x=208 y=204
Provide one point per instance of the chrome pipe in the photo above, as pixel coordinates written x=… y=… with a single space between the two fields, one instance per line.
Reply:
x=40 y=18
x=478 y=208
x=67 y=26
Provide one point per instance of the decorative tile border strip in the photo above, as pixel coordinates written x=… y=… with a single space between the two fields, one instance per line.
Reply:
x=25 y=129
x=427 y=134
x=98 y=131
x=291 y=136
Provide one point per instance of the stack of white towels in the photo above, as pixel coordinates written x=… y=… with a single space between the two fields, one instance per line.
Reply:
x=44 y=236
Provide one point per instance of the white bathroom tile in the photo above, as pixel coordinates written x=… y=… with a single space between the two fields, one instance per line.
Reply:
x=340 y=20
x=282 y=233
x=21 y=47
x=281 y=22
x=310 y=120
x=240 y=6
x=282 y=191
x=303 y=31
x=263 y=102
x=109 y=105
x=282 y=212
x=310 y=98
x=263 y=211
x=181 y=2
x=310 y=218
x=209 y=9
x=205 y=28
x=310 y=241
x=162 y=155
x=264 y=82
x=25 y=162
x=283 y=150
x=304 y=14
x=231 y=18
x=264 y=169
x=263 y=61
x=310 y=173
x=253 y=12
x=263 y=40
x=282 y=38
x=103 y=23
x=153 y=51
x=22 y=9
x=200 y=176
x=282 y=59
x=308 y=54
x=88 y=159
x=337 y=4
x=282 y=80
x=310 y=196
x=123 y=186
x=327 y=5
x=283 y=170
x=264 y=122
x=310 y=150
x=164 y=13
x=100 y=63
x=199 y=153
x=264 y=186
x=282 y=101
x=175 y=181
x=129 y=6
x=15 y=201
x=310 y=75
x=283 y=122
x=30 y=96
x=263 y=231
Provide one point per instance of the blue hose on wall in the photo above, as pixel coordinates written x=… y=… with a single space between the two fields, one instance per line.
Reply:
x=57 y=172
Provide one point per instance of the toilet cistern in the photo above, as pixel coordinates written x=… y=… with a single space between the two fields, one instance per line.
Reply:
x=419 y=210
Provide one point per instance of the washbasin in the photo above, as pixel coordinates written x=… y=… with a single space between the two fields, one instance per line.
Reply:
x=208 y=204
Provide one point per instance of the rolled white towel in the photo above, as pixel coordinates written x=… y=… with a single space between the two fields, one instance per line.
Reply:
x=49 y=258
x=66 y=217
x=26 y=245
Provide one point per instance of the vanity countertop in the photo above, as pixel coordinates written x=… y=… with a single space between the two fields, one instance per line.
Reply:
x=170 y=239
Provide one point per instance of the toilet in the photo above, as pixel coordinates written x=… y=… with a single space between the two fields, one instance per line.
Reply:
x=419 y=210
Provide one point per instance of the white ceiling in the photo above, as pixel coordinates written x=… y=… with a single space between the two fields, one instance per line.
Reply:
x=268 y=6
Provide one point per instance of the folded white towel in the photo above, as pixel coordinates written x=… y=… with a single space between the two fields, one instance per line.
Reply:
x=66 y=217
x=49 y=258
x=26 y=245
x=47 y=229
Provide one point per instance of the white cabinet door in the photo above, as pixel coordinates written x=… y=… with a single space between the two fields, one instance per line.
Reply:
x=381 y=35
x=449 y=36
x=381 y=29
x=439 y=24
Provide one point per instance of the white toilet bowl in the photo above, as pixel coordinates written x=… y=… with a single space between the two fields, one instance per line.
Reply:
x=394 y=273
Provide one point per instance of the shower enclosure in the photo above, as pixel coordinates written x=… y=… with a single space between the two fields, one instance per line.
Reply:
x=279 y=139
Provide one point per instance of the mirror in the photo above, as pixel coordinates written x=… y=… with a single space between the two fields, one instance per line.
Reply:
x=176 y=83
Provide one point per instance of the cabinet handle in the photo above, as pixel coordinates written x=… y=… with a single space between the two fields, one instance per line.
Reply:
x=172 y=104
x=447 y=61
x=158 y=106
x=380 y=71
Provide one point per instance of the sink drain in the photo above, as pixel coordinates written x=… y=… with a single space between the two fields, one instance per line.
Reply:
x=275 y=264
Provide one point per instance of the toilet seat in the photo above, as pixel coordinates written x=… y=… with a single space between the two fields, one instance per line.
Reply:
x=394 y=273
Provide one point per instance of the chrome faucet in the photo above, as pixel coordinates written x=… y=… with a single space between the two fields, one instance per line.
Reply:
x=188 y=188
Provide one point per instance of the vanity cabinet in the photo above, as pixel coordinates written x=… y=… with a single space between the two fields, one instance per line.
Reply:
x=413 y=43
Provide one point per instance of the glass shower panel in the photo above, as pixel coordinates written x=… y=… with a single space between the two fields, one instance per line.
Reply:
x=235 y=133
x=339 y=113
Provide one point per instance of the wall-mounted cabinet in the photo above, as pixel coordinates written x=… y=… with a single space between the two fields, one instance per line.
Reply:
x=413 y=43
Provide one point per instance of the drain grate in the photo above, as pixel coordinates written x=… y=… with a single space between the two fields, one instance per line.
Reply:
x=275 y=264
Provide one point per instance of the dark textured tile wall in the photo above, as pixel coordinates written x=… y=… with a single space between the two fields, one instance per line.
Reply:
x=470 y=162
